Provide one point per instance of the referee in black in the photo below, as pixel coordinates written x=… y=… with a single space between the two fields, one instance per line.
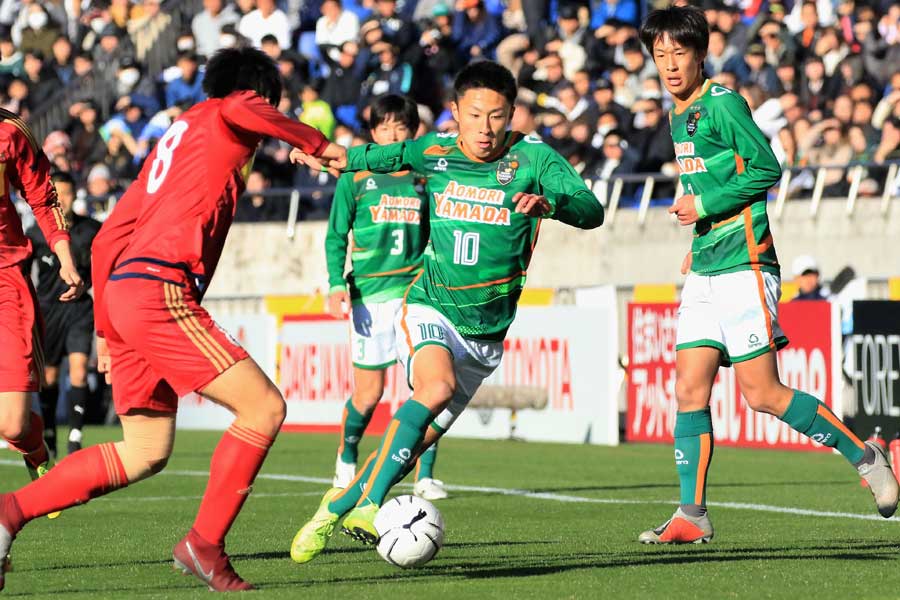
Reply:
x=68 y=327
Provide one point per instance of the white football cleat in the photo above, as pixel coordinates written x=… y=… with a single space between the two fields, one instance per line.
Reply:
x=430 y=489
x=344 y=473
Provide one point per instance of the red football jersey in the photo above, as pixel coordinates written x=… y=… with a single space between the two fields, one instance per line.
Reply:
x=177 y=213
x=25 y=167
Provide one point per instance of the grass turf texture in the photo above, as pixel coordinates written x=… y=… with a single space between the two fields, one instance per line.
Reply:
x=496 y=545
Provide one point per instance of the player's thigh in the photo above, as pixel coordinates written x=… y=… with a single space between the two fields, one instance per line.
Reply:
x=372 y=334
x=761 y=386
x=136 y=385
x=164 y=323
x=21 y=353
x=246 y=391
x=481 y=359
x=427 y=347
x=747 y=304
x=698 y=323
x=695 y=372
x=368 y=387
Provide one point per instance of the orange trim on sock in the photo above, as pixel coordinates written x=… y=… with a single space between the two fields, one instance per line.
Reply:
x=702 y=467
x=250 y=437
x=260 y=437
x=344 y=414
x=386 y=449
x=109 y=460
x=418 y=468
x=356 y=479
x=826 y=414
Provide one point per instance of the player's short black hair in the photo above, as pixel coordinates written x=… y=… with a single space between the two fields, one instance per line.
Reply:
x=62 y=177
x=399 y=107
x=686 y=25
x=486 y=74
x=233 y=69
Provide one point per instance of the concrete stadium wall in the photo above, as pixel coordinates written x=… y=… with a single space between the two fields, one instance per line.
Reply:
x=260 y=259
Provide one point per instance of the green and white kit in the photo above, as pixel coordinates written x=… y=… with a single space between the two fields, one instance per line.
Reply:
x=388 y=218
x=730 y=298
x=479 y=250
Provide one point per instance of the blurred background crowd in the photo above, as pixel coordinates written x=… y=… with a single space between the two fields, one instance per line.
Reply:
x=101 y=80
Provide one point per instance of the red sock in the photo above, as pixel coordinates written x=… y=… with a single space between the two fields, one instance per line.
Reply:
x=233 y=468
x=80 y=476
x=32 y=445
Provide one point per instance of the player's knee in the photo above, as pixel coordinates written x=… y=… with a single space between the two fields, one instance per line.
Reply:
x=13 y=428
x=272 y=412
x=436 y=393
x=157 y=464
x=762 y=398
x=691 y=394
x=365 y=399
x=78 y=376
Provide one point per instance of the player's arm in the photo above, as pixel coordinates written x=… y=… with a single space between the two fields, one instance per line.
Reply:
x=248 y=111
x=389 y=158
x=734 y=123
x=340 y=222
x=567 y=197
x=31 y=176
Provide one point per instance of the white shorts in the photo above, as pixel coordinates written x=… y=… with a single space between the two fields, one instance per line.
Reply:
x=372 y=335
x=473 y=360
x=734 y=312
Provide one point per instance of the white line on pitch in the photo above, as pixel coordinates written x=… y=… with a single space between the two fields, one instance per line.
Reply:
x=549 y=496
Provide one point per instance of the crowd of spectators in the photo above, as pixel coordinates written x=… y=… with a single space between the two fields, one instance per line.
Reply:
x=821 y=76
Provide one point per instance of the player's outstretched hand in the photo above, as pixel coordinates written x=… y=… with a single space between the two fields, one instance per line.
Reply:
x=532 y=205
x=685 y=210
x=104 y=362
x=69 y=274
x=687 y=262
x=333 y=159
x=337 y=302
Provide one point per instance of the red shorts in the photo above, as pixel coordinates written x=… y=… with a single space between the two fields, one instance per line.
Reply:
x=21 y=331
x=163 y=344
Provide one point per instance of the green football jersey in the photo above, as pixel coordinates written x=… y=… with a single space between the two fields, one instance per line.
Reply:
x=479 y=250
x=387 y=214
x=727 y=163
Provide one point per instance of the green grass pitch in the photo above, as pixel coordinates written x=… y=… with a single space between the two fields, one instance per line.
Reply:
x=573 y=536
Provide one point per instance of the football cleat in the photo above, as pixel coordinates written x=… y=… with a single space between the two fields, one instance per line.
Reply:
x=360 y=524
x=39 y=471
x=195 y=556
x=430 y=489
x=343 y=473
x=315 y=534
x=7 y=535
x=680 y=529
x=881 y=481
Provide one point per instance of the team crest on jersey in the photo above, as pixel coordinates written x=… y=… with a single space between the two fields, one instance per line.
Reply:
x=506 y=170
x=370 y=184
x=691 y=125
x=441 y=164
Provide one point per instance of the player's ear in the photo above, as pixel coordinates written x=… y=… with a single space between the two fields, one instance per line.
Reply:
x=454 y=110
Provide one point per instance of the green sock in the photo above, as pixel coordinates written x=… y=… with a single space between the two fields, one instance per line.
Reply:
x=811 y=417
x=404 y=433
x=352 y=430
x=693 y=454
x=426 y=464
x=346 y=500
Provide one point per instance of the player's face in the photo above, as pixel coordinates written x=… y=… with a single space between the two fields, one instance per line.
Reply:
x=679 y=67
x=483 y=116
x=390 y=131
x=66 y=195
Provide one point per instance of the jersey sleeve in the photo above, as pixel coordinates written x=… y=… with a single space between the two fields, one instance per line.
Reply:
x=30 y=174
x=573 y=203
x=734 y=123
x=248 y=111
x=386 y=159
x=340 y=222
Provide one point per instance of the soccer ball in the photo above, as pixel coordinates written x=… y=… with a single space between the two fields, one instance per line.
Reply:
x=411 y=531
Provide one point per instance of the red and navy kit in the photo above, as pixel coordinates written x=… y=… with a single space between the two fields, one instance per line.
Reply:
x=157 y=252
x=25 y=168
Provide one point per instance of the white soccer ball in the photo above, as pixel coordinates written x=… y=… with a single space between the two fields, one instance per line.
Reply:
x=411 y=531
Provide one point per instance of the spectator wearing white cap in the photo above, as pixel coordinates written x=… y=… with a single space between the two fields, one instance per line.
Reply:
x=806 y=276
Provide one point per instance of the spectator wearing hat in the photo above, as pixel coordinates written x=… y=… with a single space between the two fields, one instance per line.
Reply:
x=438 y=46
x=111 y=49
x=207 y=25
x=42 y=82
x=267 y=18
x=568 y=39
x=604 y=98
x=120 y=149
x=391 y=76
x=58 y=148
x=40 y=31
x=188 y=88
x=475 y=31
x=778 y=45
x=753 y=68
x=315 y=112
x=806 y=276
x=101 y=190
